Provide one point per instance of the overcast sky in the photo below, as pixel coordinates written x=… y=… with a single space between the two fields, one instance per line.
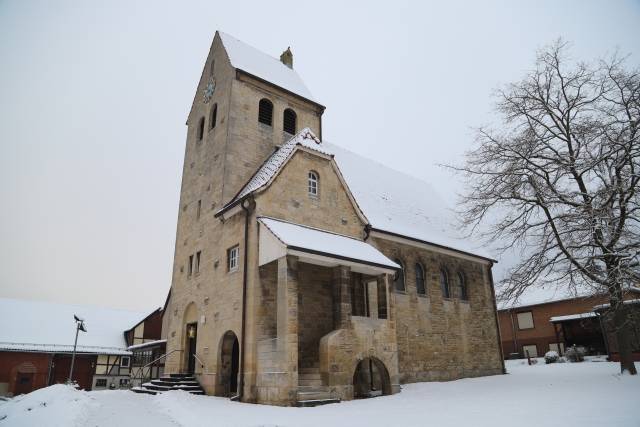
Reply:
x=94 y=97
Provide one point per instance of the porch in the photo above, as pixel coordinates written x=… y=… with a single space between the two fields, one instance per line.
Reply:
x=325 y=308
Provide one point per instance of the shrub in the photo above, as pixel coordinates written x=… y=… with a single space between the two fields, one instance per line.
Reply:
x=551 y=357
x=575 y=353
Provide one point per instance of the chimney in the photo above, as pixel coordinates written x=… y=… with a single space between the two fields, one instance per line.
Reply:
x=287 y=58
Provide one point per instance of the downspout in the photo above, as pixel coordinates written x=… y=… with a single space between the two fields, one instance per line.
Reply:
x=514 y=331
x=246 y=209
x=495 y=316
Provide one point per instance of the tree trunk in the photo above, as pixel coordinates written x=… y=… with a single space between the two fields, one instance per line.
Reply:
x=622 y=325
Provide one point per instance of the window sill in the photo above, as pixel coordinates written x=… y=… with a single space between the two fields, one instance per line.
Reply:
x=400 y=292
x=425 y=296
x=235 y=270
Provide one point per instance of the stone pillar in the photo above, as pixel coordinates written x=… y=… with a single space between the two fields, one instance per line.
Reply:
x=287 y=326
x=341 y=297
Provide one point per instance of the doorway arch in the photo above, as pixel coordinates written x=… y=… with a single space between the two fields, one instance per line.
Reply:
x=371 y=378
x=229 y=364
x=190 y=338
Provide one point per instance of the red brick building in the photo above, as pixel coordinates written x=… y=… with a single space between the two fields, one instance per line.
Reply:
x=553 y=325
x=36 y=343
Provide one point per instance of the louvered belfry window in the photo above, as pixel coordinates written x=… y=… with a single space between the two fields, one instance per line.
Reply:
x=289 y=121
x=265 y=112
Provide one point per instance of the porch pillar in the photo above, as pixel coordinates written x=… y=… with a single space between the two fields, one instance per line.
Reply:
x=341 y=297
x=287 y=327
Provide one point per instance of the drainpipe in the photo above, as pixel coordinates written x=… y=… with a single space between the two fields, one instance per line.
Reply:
x=495 y=313
x=515 y=331
x=246 y=207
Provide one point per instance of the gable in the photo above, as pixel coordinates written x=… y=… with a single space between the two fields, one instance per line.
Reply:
x=287 y=196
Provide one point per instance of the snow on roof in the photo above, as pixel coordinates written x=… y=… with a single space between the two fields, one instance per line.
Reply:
x=34 y=325
x=605 y=306
x=258 y=63
x=296 y=236
x=146 y=344
x=391 y=201
x=557 y=319
x=304 y=138
x=55 y=348
x=399 y=203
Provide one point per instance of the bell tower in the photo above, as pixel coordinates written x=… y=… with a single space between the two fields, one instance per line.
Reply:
x=246 y=104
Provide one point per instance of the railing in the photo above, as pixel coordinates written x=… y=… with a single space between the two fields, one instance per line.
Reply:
x=199 y=360
x=142 y=368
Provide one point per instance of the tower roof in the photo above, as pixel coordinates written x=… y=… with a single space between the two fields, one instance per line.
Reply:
x=259 y=64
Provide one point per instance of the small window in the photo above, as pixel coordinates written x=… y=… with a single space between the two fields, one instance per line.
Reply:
x=312 y=184
x=198 y=209
x=289 y=121
x=462 y=287
x=525 y=320
x=124 y=361
x=444 y=284
x=197 y=266
x=214 y=116
x=232 y=256
x=101 y=382
x=124 y=382
x=201 y=129
x=190 y=266
x=265 y=112
x=398 y=280
x=420 y=279
x=212 y=67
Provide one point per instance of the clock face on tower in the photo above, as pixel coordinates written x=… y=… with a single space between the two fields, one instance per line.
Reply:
x=209 y=89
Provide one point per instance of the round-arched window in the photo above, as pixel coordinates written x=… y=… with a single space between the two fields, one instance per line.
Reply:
x=313 y=184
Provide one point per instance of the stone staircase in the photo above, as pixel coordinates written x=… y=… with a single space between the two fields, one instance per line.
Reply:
x=186 y=382
x=311 y=391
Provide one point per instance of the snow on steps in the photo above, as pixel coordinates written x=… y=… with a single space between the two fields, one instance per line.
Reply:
x=311 y=391
x=184 y=382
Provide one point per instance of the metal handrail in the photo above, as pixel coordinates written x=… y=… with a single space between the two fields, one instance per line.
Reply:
x=199 y=360
x=141 y=369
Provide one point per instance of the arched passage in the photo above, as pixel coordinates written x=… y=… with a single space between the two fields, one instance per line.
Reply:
x=370 y=379
x=229 y=364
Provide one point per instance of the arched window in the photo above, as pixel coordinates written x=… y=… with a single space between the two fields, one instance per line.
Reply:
x=398 y=280
x=265 y=111
x=312 y=184
x=211 y=67
x=214 y=116
x=462 y=287
x=200 y=129
x=444 y=283
x=420 y=279
x=289 y=121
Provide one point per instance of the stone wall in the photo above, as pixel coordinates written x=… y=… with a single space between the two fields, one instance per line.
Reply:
x=443 y=338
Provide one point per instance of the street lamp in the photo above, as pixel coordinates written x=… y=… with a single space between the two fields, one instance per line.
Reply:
x=79 y=327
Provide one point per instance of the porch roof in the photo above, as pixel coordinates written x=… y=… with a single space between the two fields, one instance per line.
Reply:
x=316 y=246
x=570 y=317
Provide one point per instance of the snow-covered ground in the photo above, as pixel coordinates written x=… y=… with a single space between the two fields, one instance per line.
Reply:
x=581 y=394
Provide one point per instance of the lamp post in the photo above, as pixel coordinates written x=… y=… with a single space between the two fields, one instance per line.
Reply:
x=79 y=327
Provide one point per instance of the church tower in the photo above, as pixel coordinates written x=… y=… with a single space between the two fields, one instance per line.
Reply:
x=246 y=104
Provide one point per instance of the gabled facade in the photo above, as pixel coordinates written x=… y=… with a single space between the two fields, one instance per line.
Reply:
x=284 y=290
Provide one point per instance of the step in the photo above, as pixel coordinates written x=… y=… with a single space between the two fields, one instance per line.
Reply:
x=184 y=382
x=313 y=395
x=316 y=402
x=309 y=382
x=310 y=376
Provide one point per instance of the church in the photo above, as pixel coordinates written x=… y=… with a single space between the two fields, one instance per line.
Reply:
x=304 y=273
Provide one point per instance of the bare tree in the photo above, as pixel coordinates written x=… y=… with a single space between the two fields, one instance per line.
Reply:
x=559 y=180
